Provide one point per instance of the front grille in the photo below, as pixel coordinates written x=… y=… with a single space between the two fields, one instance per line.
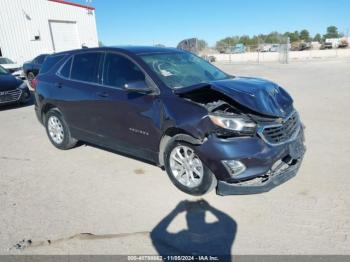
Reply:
x=281 y=133
x=10 y=96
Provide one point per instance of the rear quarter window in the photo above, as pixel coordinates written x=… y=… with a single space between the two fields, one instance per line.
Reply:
x=65 y=70
x=50 y=61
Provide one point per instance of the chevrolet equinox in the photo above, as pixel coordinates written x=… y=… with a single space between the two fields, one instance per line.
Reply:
x=206 y=128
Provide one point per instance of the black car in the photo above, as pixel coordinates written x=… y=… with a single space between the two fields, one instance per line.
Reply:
x=32 y=68
x=205 y=127
x=12 y=89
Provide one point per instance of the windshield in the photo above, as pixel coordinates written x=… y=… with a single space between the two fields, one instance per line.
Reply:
x=4 y=60
x=179 y=70
x=3 y=71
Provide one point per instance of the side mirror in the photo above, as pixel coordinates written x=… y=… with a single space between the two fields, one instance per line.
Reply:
x=138 y=87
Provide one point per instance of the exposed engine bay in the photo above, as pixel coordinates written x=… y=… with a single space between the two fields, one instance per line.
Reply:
x=212 y=100
x=219 y=104
x=216 y=102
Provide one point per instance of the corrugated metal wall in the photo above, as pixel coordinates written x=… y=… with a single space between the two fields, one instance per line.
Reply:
x=22 y=20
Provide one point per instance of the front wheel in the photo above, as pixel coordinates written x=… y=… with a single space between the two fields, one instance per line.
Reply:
x=186 y=170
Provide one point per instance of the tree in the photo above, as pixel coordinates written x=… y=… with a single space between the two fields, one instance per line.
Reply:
x=293 y=37
x=245 y=39
x=318 y=38
x=332 y=32
x=100 y=44
x=305 y=35
x=272 y=38
x=223 y=44
x=201 y=44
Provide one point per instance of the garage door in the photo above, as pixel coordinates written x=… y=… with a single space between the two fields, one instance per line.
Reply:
x=64 y=36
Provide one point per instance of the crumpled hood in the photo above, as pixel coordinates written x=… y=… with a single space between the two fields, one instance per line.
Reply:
x=9 y=82
x=256 y=94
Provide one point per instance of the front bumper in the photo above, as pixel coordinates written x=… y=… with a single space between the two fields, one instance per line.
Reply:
x=19 y=95
x=259 y=184
x=267 y=166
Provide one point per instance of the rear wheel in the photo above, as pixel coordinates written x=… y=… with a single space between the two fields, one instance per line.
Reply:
x=186 y=170
x=58 y=131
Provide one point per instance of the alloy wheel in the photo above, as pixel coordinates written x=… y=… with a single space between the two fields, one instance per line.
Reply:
x=55 y=129
x=186 y=166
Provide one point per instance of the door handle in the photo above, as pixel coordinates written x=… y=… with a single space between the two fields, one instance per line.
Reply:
x=58 y=85
x=102 y=94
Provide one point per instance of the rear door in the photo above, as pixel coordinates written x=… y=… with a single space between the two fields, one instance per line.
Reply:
x=76 y=90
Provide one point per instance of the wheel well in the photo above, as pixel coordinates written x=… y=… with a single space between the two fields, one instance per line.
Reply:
x=174 y=133
x=46 y=109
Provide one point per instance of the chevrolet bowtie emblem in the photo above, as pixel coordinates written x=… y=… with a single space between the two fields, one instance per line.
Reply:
x=279 y=120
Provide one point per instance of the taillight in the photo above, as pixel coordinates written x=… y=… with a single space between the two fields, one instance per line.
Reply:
x=34 y=83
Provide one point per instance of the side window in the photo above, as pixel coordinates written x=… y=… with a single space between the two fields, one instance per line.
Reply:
x=118 y=70
x=65 y=70
x=86 y=67
x=49 y=62
x=40 y=59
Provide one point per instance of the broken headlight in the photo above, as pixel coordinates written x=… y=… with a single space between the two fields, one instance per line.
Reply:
x=240 y=125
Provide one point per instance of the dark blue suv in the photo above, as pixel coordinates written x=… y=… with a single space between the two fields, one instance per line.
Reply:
x=169 y=107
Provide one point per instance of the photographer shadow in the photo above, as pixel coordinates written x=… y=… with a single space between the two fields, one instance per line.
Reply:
x=200 y=237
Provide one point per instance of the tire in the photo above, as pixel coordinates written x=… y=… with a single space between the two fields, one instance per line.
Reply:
x=26 y=101
x=30 y=77
x=202 y=185
x=58 y=131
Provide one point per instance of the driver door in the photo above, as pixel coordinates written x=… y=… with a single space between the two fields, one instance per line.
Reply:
x=129 y=120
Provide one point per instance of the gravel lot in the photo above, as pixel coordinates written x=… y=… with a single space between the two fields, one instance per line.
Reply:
x=51 y=197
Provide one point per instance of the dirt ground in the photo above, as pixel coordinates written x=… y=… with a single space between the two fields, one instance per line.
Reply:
x=90 y=201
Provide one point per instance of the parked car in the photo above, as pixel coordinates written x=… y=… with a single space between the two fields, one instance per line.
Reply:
x=170 y=107
x=31 y=68
x=212 y=59
x=300 y=46
x=264 y=48
x=12 y=67
x=343 y=43
x=332 y=42
x=238 y=49
x=326 y=45
x=209 y=58
x=12 y=89
x=274 y=48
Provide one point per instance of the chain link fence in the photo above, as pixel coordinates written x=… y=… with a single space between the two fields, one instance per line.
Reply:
x=262 y=52
x=283 y=55
x=282 y=52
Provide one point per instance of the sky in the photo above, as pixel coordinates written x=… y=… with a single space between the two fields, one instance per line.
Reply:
x=148 y=22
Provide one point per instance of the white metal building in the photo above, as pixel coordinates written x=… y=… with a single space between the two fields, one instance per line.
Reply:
x=32 y=27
